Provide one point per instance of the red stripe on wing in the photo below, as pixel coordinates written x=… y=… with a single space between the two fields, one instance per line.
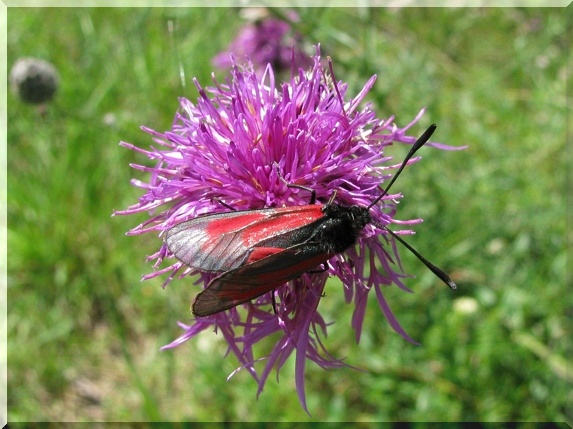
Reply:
x=253 y=280
x=225 y=241
x=259 y=253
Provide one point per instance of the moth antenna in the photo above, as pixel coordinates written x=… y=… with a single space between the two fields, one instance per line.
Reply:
x=417 y=145
x=441 y=274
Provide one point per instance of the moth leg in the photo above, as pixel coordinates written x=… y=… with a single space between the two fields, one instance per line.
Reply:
x=224 y=204
x=305 y=188
x=319 y=270
x=292 y=185
x=324 y=268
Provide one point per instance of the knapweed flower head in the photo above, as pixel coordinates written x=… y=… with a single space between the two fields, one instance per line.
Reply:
x=243 y=144
x=34 y=80
x=266 y=40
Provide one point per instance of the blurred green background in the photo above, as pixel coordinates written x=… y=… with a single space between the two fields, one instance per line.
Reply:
x=85 y=333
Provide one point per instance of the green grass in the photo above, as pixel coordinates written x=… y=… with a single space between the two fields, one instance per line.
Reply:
x=84 y=332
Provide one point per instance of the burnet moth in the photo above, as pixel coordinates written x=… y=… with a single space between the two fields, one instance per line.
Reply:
x=256 y=251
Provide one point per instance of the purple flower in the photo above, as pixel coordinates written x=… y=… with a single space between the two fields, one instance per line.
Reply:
x=242 y=143
x=266 y=41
